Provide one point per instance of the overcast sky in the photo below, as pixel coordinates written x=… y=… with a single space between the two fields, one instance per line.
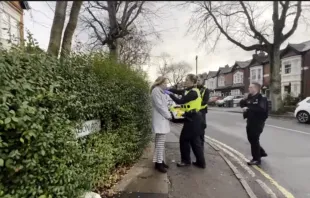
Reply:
x=174 y=41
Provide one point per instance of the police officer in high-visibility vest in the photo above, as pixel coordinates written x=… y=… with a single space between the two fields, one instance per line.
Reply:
x=193 y=125
x=204 y=104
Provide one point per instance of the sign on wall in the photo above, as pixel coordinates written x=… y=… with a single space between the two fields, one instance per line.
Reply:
x=89 y=127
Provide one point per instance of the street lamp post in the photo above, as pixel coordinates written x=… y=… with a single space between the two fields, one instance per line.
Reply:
x=196 y=65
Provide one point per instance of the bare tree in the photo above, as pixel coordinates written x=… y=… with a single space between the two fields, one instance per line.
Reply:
x=242 y=23
x=174 y=71
x=57 y=28
x=111 y=21
x=178 y=71
x=134 y=49
x=70 y=28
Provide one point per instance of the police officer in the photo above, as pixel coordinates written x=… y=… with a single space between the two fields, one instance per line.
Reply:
x=193 y=125
x=255 y=108
x=204 y=92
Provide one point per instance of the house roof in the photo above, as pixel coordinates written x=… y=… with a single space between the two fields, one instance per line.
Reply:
x=301 y=47
x=225 y=70
x=25 y=5
x=259 y=59
x=243 y=64
x=212 y=74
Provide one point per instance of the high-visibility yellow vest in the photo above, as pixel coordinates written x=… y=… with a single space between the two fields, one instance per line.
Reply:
x=202 y=95
x=194 y=104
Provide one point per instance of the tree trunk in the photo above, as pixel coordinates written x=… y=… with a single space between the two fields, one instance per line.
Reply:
x=114 y=30
x=71 y=26
x=57 y=28
x=114 y=50
x=275 y=78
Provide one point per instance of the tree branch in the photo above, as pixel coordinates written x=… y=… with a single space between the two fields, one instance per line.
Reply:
x=251 y=24
x=247 y=48
x=295 y=24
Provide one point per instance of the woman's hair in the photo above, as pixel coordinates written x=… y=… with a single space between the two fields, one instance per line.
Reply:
x=160 y=80
x=193 y=78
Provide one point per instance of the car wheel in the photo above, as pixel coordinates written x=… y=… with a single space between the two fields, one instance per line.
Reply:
x=303 y=117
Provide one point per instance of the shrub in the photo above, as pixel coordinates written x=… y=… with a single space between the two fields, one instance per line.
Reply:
x=43 y=100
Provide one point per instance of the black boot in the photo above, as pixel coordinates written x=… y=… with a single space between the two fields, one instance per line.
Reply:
x=264 y=155
x=182 y=164
x=160 y=167
x=165 y=165
x=254 y=162
x=203 y=166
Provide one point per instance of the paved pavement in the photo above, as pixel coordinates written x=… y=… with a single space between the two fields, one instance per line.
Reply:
x=221 y=179
x=286 y=170
x=216 y=181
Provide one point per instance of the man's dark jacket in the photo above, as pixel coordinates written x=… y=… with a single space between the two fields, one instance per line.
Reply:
x=257 y=107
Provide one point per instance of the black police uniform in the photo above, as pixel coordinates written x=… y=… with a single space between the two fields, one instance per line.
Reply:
x=256 y=116
x=205 y=98
x=192 y=130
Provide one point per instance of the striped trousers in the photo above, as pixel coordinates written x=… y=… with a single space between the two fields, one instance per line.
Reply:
x=159 y=151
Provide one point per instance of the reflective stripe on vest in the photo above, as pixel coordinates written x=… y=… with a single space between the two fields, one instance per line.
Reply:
x=202 y=95
x=194 y=104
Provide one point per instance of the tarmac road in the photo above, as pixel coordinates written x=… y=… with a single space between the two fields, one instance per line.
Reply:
x=286 y=142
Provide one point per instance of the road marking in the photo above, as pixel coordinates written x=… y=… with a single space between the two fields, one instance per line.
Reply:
x=238 y=175
x=266 y=188
x=277 y=127
x=293 y=130
x=285 y=192
x=243 y=165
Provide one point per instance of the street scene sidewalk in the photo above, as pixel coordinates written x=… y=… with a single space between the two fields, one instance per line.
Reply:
x=288 y=115
x=217 y=180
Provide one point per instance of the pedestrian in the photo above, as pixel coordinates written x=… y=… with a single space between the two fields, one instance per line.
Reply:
x=160 y=122
x=204 y=92
x=255 y=110
x=193 y=125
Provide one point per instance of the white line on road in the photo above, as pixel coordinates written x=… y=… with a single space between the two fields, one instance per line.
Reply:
x=243 y=165
x=266 y=188
x=286 y=193
x=277 y=127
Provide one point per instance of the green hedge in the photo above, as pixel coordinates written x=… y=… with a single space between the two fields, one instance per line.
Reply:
x=43 y=100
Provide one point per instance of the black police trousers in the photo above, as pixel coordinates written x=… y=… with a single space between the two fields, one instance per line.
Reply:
x=191 y=138
x=202 y=137
x=254 y=130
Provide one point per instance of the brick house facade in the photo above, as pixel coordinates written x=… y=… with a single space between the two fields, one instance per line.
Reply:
x=12 y=21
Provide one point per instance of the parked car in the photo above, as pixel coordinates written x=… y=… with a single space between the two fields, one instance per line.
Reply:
x=221 y=103
x=175 y=110
x=237 y=100
x=213 y=99
x=302 y=111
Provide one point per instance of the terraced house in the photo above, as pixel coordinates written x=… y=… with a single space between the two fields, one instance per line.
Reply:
x=295 y=73
x=12 y=22
x=295 y=70
x=224 y=81
x=239 y=78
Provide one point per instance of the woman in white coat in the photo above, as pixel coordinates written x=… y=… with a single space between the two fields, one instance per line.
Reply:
x=160 y=122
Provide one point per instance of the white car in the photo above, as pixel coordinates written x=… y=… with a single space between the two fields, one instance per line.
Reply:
x=175 y=110
x=237 y=100
x=221 y=103
x=302 y=111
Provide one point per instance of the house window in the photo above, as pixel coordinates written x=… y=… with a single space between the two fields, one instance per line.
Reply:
x=221 y=81
x=253 y=74
x=238 y=77
x=287 y=68
x=259 y=71
x=256 y=74
x=10 y=28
